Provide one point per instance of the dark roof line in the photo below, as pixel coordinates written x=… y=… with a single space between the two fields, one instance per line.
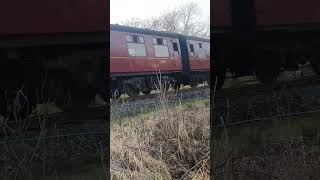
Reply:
x=122 y=28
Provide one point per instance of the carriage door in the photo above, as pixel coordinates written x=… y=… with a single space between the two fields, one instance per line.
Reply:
x=175 y=48
x=243 y=15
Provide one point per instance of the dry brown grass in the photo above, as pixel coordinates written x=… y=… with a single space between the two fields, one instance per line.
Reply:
x=289 y=160
x=171 y=143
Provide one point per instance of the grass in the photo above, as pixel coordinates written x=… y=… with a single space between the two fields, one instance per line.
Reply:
x=40 y=159
x=172 y=142
x=87 y=172
x=169 y=142
x=150 y=111
x=277 y=149
x=272 y=130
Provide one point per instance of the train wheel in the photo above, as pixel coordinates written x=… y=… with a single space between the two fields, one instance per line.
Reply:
x=193 y=82
x=130 y=90
x=176 y=86
x=115 y=94
x=218 y=78
x=64 y=100
x=59 y=92
x=18 y=105
x=79 y=100
x=315 y=62
x=3 y=105
x=193 y=85
x=166 y=86
x=23 y=105
x=146 y=91
x=105 y=97
x=217 y=82
x=268 y=68
x=266 y=77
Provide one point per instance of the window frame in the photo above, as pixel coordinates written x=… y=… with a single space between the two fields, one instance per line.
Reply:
x=177 y=46
x=139 y=37
x=191 y=48
x=164 y=43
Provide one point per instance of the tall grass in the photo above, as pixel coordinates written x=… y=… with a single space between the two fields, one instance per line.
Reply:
x=170 y=143
x=43 y=153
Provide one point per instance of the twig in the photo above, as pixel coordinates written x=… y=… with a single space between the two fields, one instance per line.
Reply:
x=269 y=118
x=50 y=137
x=102 y=161
x=202 y=159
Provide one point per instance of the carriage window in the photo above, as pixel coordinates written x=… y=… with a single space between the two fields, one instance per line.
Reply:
x=154 y=40
x=136 y=45
x=191 y=48
x=160 y=47
x=160 y=41
x=165 y=42
x=175 y=46
x=134 y=39
x=141 y=40
x=129 y=38
x=201 y=52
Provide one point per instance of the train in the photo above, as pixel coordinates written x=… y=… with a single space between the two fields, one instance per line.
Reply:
x=52 y=51
x=139 y=56
x=61 y=52
x=264 y=37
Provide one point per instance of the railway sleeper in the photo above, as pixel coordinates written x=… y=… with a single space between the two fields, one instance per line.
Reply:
x=267 y=66
x=197 y=79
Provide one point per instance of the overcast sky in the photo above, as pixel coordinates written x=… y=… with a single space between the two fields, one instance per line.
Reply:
x=121 y=10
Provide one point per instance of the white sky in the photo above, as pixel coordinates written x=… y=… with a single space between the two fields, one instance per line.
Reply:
x=121 y=10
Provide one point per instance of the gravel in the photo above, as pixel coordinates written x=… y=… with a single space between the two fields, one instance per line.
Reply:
x=127 y=108
x=254 y=106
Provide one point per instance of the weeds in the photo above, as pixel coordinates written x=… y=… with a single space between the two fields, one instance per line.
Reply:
x=170 y=143
x=291 y=158
x=45 y=152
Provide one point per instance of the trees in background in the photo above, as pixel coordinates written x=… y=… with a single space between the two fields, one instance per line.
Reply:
x=184 y=20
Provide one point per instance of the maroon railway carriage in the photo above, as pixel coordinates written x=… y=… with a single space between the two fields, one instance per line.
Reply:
x=265 y=36
x=275 y=13
x=48 y=17
x=138 y=55
x=199 y=57
x=52 y=51
x=135 y=54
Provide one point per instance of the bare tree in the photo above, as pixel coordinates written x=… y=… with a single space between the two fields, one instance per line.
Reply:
x=170 y=21
x=183 y=20
x=189 y=14
x=151 y=23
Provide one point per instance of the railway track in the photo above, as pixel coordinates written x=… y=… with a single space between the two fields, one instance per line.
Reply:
x=98 y=114
x=156 y=94
x=287 y=79
x=291 y=96
x=94 y=114
x=261 y=88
